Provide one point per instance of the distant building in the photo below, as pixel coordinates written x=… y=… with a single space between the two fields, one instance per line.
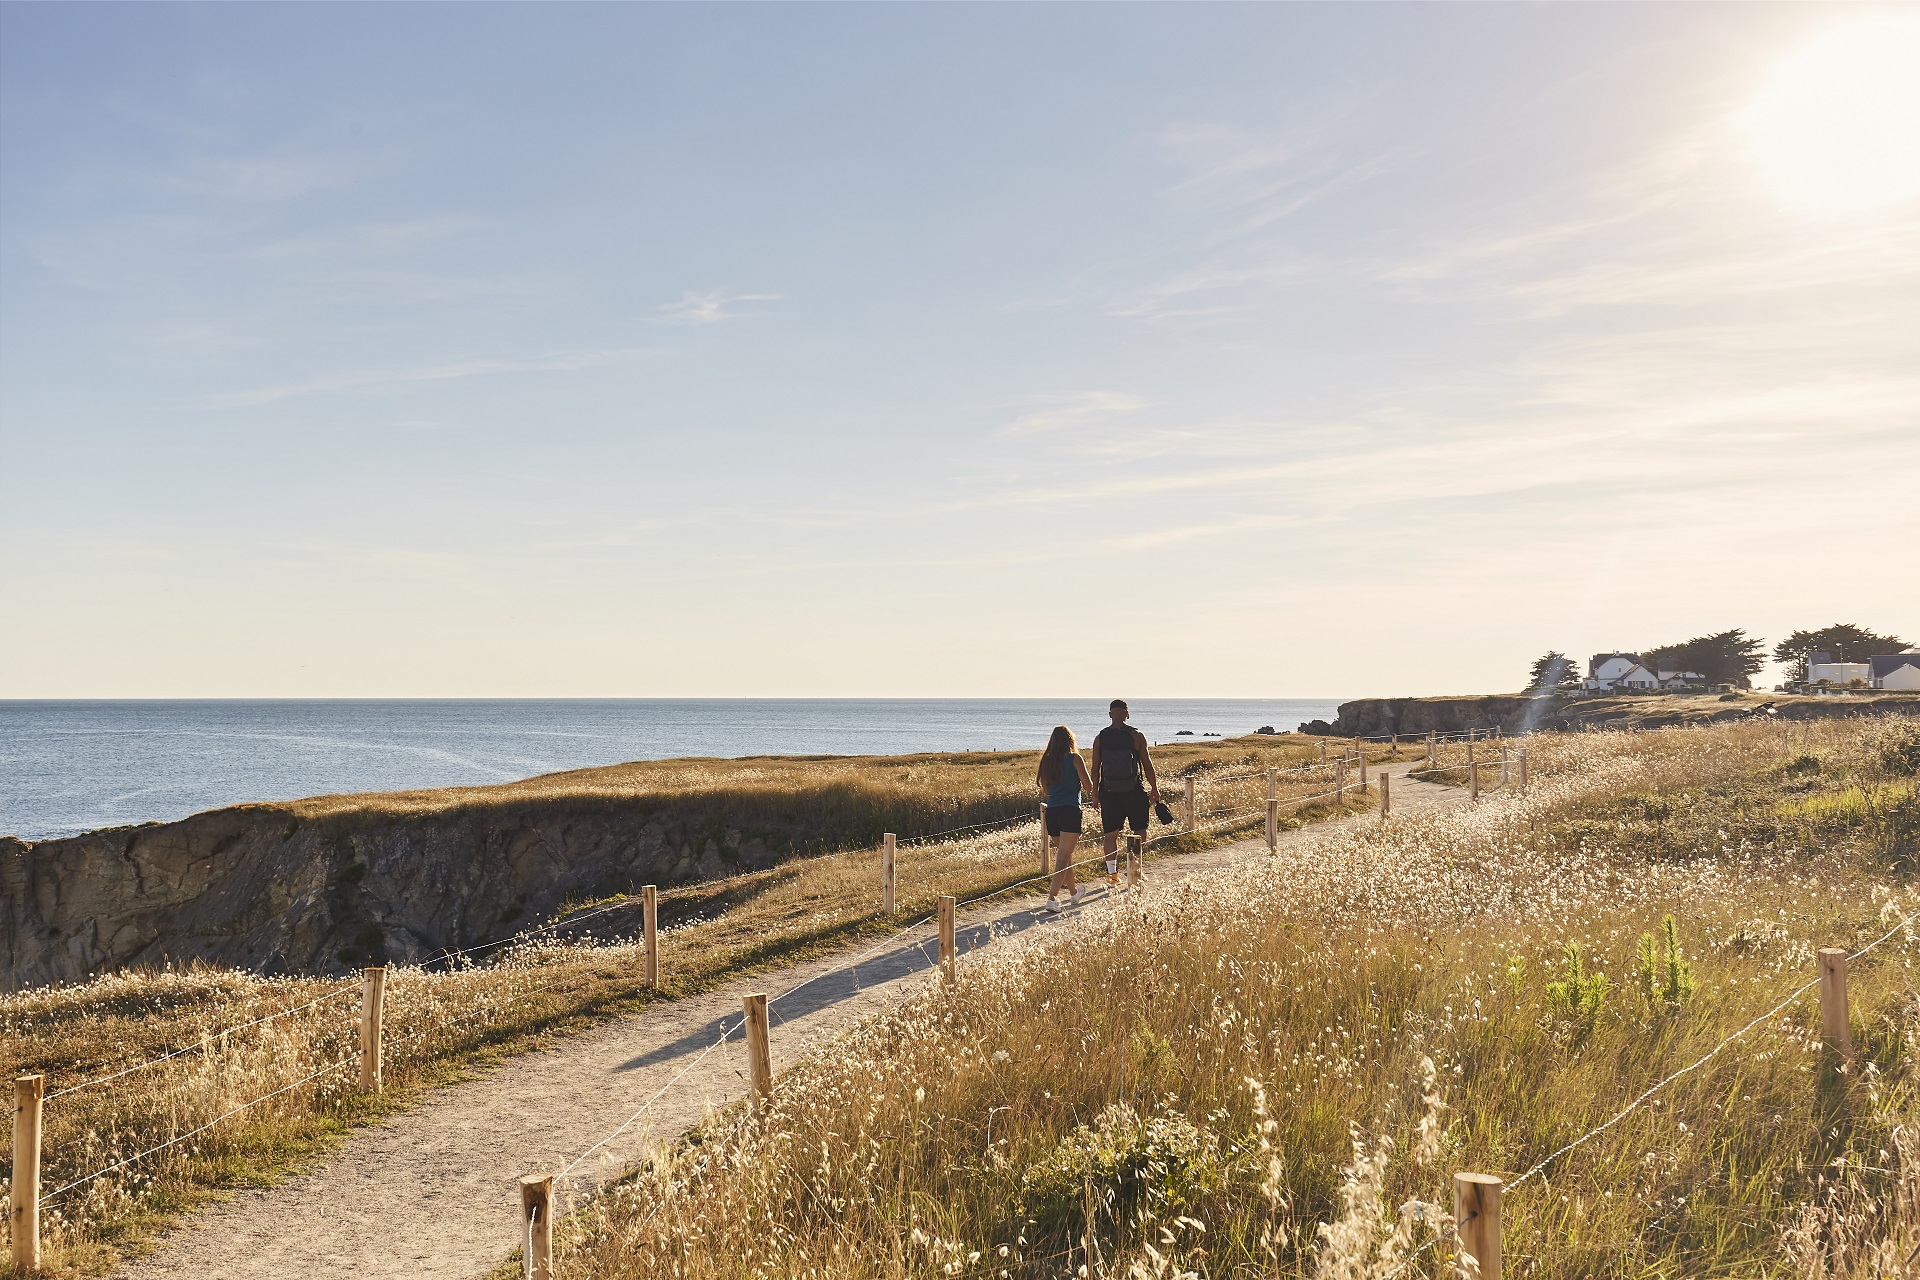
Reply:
x=1822 y=668
x=1682 y=680
x=1896 y=670
x=1607 y=672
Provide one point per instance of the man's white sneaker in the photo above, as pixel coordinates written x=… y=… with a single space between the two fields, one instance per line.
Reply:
x=1053 y=905
x=1074 y=901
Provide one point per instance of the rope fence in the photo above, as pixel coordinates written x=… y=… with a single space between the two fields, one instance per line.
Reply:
x=201 y=1043
x=1484 y=1245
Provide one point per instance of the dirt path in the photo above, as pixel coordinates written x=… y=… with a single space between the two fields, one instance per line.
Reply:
x=441 y=1178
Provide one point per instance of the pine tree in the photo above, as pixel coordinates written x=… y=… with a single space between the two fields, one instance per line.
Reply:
x=1553 y=672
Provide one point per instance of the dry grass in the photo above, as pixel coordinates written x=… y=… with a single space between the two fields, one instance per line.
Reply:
x=1279 y=1076
x=850 y=795
x=444 y=1022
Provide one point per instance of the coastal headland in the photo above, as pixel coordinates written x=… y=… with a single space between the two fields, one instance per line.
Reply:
x=1519 y=713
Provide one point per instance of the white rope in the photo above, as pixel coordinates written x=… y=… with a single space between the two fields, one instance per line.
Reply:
x=1703 y=1060
x=142 y=1066
x=55 y=1194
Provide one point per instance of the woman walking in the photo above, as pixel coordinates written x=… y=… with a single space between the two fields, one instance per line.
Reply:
x=1063 y=776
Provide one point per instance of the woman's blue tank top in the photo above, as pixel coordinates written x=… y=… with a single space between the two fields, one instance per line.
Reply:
x=1066 y=789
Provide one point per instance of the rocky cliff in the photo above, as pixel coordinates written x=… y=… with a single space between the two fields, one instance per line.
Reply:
x=1413 y=717
x=321 y=885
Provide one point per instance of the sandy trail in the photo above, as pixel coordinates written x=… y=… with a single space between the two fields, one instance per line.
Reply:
x=431 y=1194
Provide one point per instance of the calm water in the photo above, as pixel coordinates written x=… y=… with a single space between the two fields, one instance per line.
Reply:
x=67 y=767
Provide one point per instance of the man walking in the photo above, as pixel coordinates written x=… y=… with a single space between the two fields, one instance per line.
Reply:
x=1119 y=759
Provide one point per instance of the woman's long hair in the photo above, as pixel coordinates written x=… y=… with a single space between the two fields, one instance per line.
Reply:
x=1054 y=758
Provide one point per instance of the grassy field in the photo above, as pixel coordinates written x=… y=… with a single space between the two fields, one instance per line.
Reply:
x=845 y=800
x=445 y=1021
x=1279 y=1076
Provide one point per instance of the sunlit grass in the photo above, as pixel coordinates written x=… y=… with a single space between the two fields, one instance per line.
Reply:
x=1278 y=1074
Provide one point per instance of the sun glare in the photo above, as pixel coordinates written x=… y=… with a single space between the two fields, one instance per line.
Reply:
x=1837 y=127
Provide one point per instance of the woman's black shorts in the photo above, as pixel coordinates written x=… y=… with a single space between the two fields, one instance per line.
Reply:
x=1062 y=818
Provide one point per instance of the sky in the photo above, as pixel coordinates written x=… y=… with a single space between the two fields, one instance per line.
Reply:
x=928 y=350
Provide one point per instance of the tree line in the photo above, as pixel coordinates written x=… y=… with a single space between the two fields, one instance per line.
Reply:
x=1729 y=657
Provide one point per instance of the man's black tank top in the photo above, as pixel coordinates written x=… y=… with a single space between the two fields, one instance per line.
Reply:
x=1119 y=762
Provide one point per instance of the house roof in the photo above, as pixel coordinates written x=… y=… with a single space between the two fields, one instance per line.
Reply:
x=1893 y=662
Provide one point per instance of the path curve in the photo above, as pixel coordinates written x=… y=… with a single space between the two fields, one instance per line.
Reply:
x=430 y=1194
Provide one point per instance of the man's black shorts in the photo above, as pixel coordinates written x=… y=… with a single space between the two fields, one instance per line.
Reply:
x=1062 y=818
x=1124 y=808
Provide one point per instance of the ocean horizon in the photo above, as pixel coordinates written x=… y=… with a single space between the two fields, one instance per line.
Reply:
x=70 y=766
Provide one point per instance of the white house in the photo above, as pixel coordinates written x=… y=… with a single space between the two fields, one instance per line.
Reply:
x=1607 y=672
x=1896 y=670
x=1682 y=680
x=1821 y=667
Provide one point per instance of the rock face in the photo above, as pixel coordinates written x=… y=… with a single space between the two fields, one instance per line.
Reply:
x=1412 y=717
x=279 y=888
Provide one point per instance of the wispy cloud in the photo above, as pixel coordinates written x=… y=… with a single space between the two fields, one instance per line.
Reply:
x=1078 y=409
x=712 y=307
x=427 y=373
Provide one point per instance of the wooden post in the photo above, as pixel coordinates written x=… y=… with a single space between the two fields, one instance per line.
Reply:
x=1323 y=751
x=1273 y=826
x=1433 y=760
x=946 y=936
x=1476 y=1217
x=1470 y=755
x=1393 y=746
x=1473 y=777
x=536 y=1221
x=1273 y=785
x=1833 y=999
x=373 y=1012
x=759 y=1055
x=1186 y=823
x=1363 y=771
x=886 y=873
x=1340 y=780
x=1136 y=854
x=1505 y=765
x=28 y=1093
x=1385 y=803
x=1523 y=768
x=1046 y=861
x=650 y=921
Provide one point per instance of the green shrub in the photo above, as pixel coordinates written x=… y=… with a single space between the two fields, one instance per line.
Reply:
x=1130 y=1168
x=1895 y=746
x=1666 y=981
x=1574 y=1001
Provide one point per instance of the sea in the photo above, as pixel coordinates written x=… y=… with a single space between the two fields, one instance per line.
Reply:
x=70 y=767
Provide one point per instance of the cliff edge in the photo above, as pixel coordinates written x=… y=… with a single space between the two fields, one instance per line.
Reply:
x=321 y=885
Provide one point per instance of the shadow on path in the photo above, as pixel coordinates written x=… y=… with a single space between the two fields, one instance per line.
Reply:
x=836 y=986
